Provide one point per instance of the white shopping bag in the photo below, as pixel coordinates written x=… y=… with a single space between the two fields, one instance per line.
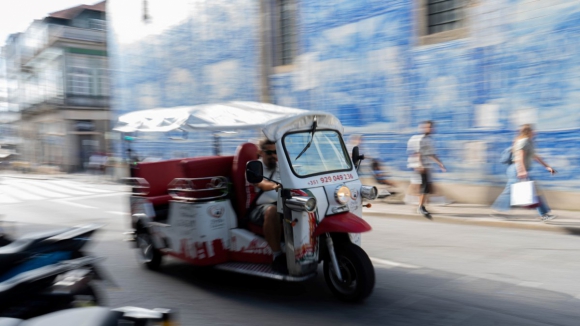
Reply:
x=524 y=194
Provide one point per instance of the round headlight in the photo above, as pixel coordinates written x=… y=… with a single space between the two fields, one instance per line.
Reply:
x=342 y=195
x=310 y=205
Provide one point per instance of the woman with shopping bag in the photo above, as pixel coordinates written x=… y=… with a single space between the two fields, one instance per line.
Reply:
x=524 y=190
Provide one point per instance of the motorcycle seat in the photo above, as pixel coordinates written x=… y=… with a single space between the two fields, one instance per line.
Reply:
x=91 y=316
x=10 y=321
x=17 y=250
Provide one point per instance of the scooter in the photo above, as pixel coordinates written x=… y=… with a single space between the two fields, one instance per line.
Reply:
x=195 y=209
x=99 y=316
x=48 y=271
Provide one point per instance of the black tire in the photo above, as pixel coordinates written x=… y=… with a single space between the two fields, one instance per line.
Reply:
x=357 y=272
x=147 y=254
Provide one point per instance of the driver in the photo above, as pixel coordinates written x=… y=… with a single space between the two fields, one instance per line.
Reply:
x=263 y=210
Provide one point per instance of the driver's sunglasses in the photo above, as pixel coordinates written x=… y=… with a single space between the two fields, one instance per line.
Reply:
x=269 y=152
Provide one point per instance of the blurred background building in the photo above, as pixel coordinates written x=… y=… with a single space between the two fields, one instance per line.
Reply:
x=8 y=133
x=57 y=81
x=477 y=68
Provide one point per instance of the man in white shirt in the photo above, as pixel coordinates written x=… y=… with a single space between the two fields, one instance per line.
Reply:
x=264 y=212
x=421 y=154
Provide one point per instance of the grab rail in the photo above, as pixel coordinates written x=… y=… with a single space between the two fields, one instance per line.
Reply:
x=180 y=186
x=138 y=183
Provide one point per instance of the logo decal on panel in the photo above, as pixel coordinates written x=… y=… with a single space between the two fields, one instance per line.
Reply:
x=354 y=194
x=216 y=211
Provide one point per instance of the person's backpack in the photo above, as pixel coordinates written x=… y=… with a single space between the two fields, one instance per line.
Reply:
x=506 y=156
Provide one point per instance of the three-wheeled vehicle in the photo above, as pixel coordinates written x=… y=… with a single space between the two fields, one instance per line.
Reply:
x=195 y=208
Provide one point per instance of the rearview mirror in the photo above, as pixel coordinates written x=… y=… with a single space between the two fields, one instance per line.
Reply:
x=254 y=172
x=356 y=157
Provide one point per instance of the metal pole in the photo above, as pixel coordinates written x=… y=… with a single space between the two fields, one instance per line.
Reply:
x=216 y=144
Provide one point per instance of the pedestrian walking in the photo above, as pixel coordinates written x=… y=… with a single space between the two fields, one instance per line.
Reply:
x=379 y=175
x=523 y=152
x=421 y=152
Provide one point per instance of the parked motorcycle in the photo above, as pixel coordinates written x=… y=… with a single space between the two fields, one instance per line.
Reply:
x=48 y=271
x=98 y=316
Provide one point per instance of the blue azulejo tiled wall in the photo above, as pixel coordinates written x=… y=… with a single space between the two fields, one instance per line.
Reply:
x=186 y=52
x=518 y=62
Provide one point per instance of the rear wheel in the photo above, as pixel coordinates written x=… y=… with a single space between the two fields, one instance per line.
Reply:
x=87 y=297
x=148 y=255
x=358 y=273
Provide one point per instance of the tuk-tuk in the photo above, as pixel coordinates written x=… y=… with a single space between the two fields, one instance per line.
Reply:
x=195 y=209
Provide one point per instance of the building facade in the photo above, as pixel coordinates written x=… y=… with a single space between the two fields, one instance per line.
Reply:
x=479 y=69
x=58 y=79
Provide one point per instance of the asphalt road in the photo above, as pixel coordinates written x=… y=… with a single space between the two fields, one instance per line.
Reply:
x=427 y=273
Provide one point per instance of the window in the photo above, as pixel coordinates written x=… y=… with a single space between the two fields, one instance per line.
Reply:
x=97 y=24
x=79 y=75
x=443 y=15
x=326 y=154
x=283 y=32
x=87 y=75
x=441 y=21
x=103 y=82
x=102 y=75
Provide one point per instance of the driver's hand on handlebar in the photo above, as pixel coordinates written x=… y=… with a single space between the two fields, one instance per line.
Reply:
x=277 y=186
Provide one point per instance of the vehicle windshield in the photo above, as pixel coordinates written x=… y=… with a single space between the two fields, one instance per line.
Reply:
x=326 y=154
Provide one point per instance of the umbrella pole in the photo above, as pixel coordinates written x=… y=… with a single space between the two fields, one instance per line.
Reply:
x=216 y=144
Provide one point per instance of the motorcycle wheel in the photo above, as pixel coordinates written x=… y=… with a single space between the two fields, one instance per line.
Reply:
x=357 y=271
x=148 y=255
x=87 y=297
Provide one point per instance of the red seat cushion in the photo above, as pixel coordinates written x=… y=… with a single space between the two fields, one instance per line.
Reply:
x=208 y=166
x=244 y=191
x=159 y=175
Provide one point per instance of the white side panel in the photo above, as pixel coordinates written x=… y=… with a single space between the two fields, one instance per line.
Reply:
x=197 y=223
x=244 y=241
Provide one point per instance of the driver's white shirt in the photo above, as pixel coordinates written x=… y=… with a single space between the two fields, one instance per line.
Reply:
x=270 y=196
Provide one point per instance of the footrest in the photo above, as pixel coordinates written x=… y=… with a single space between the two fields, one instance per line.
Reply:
x=261 y=270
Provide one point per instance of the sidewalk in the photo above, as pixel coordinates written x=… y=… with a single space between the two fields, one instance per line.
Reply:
x=470 y=214
x=565 y=222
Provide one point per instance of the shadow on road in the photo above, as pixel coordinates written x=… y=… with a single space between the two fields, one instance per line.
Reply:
x=401 y=297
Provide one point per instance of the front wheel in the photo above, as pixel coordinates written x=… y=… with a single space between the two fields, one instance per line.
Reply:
x=148 y=255
x=87 y=297
x=358 y=274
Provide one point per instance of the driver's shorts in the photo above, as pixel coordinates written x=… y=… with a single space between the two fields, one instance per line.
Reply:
x=257 y=214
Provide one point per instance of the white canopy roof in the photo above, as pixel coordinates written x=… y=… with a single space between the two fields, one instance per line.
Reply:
x=274 y=119
x=303 y=121
x=154 y=120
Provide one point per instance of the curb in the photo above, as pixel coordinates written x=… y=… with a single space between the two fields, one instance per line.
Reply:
x=26 y=177
x=440 y=218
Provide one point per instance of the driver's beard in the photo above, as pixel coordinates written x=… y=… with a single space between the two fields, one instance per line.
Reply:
x=271 y=164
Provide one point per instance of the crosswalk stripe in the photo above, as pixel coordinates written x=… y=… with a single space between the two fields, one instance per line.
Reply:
x=7 y=199
x=32 y=188
x=78 y=186
x=19 y=194
x=60 y=189
x=392 y=263
x=17 y=190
